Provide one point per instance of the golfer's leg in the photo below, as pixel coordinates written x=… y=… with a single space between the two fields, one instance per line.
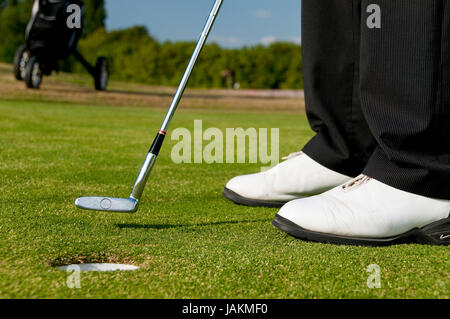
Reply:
x=330 y=43
x=405 y=86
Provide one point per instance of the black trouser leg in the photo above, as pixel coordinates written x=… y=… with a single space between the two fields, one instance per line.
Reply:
x=331 y=47
x=405 y=94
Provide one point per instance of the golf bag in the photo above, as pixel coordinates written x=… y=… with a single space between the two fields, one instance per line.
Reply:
x=49 y=39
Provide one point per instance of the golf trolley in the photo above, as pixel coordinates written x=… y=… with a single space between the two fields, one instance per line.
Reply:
x=49 y=40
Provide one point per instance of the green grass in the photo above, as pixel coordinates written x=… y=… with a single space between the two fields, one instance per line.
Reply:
x=188 y=240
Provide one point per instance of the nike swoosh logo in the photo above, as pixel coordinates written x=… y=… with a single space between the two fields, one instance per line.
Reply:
x=444 y=237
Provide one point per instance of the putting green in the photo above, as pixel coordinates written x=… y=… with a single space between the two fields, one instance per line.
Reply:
x=187 y=240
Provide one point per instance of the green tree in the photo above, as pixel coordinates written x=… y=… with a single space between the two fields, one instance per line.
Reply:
x=14 y=16
x=3 y=4
x=95 y=15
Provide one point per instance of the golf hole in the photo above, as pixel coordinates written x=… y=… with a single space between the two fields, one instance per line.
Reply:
x=101 y=267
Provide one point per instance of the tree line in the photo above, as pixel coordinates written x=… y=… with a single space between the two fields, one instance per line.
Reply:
x=134 y=55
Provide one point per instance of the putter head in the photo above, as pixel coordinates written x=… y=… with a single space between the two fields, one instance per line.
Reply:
x=108 y=204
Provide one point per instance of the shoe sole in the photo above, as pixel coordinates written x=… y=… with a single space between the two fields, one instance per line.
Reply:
x=437 y=233
x=238 y=199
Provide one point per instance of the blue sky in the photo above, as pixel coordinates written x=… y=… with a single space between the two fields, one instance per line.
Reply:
x=241 y=22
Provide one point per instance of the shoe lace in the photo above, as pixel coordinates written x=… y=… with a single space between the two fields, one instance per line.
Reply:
x=292 y=155
x=357 y=181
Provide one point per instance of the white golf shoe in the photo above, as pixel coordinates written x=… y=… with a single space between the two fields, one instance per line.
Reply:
x=298 y=176
x=367 y=212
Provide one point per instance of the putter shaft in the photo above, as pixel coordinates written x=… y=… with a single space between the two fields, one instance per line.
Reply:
x=150 y=160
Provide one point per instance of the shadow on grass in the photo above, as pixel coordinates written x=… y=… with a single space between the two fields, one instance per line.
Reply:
x=168 y=226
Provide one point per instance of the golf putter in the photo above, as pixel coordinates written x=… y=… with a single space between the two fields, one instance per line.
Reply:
x=130 y=204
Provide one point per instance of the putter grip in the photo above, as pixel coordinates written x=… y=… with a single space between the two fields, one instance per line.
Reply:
x=157 y=143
